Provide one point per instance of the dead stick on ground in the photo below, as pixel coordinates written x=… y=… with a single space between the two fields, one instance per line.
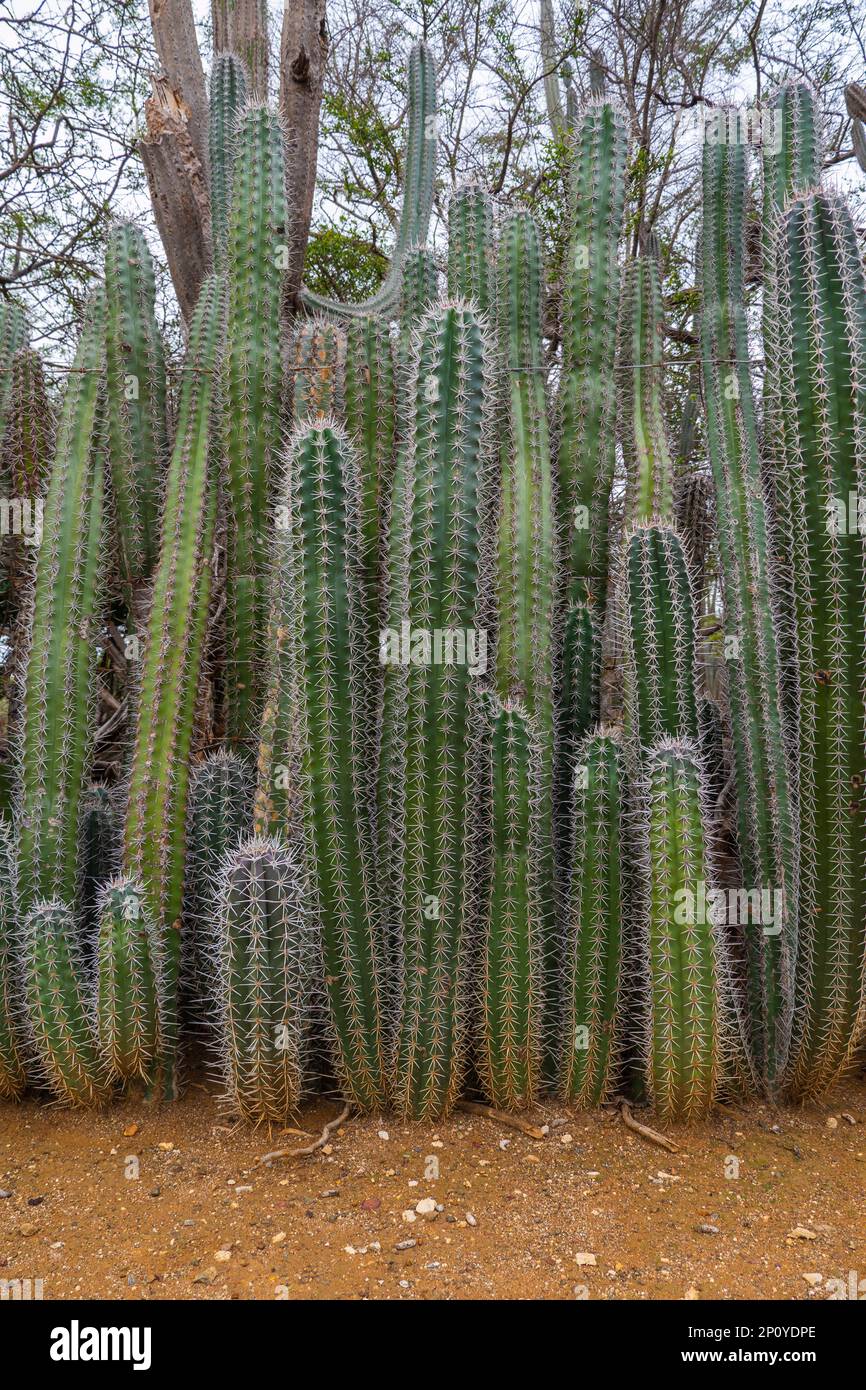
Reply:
x=513 y=1121
x=651 y=1134
x=310 y=1148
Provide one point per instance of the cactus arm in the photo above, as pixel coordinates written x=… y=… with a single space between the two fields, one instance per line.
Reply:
x=417 y=202
x=57 y=705
x=228 y=91
x=645 y=446
x=472 y=248
x=513 y=925
x=319 y=376
x=256 y=258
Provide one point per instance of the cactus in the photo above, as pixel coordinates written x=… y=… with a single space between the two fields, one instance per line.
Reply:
x=59 y=991
x=334 y=732
x=435 y=749
x=14 y=334
x=262 y=953
x=821 y=322
x=417 y=200
x=472 y=248
x=646 y=450
x=100 y=848
x=593 y=948
x=228 y=91
x=136 y=403
x=13 y=1070
x=320 y=369
x=685 y=1029
x=587 y=394
x=514 y=929
x=766 y=814
x=418 y=290
x=659 y=638
x=371 y=423
x=28 y=441
x=57 y=715
x=256 y=259
x=130 y=997
x=219 y=816
x=154 y=837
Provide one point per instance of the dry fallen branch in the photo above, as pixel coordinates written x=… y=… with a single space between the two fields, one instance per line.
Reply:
x=310 y=1148
x=645 y=1132
x=502 y=1117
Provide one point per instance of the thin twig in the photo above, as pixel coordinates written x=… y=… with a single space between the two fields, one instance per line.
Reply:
x=310 y=1148
x=646 y=1133
x=502 y=1117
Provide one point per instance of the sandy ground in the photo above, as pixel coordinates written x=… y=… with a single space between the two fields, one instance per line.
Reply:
x=144 y=1202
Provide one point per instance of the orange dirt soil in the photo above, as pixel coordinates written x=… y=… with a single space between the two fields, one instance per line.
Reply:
x=592 y=1210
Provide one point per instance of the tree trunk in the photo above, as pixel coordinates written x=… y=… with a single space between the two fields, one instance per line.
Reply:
x=177 y=47
x=241 y=27
x=303 y=53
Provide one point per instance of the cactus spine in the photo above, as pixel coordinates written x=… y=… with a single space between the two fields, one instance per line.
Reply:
x=334 y=735
x=766 y=815
x=135 y=396
x=592 y=955
x=58 y=694
x=262 y=955
x=130 y=983
x=821 y=321
x=156 y=816
x=685 y=1037
x=256 y=258
x=514 y=927
x=13 y=1073
x=228 y=92
x=418 y=186
x=436 y=751
x=59 y=993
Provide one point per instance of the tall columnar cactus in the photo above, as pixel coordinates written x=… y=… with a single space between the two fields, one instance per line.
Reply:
x=334 y=710
x=59 y=991
x=418 y=187
x=419 y=289
x=130 y=992
x=228 y=94
x=587 y=393
x=646 y=450
x=592 y=987
x=13 y=1070
x=659 y=638
x=262 y=953
x=135 y=405
x=514 y=929
x=436 y=799
x=14 y=334
x=821 y=322
x=28 y=440
x=57 y=714
x=766 y=814
x=220 y=814
x=370 y=412
x=100 y=847
x=319 y=371
x=256 y=259
x=685 y=1030
x=472 y=248
x=156 y=816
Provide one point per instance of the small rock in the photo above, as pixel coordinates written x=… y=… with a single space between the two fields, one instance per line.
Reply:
x=383 y=1134
x=832 y=1122
x=207 y=1276
x=405 y=1244
x=328 y=1149
x=706 y=1230
x=691 y=1295
x=130 y=1131
x=583 y=1257
x=409 y=1215
x=278 y=1238
x=470 y=1219
x=29 y=1228
x=222 y=1256
x=426 y=1207
x=813 y=1280
x=566 y=1139
x=155 y=1192
x=371 y=1204
x=166 y=1147
x=848 y=1117
x=331 y=1192
x=801 y=1233
x=4 y=1193
x=35 y=1201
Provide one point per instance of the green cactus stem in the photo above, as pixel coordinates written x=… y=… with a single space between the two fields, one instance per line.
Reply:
x=228 y=94
x=100 y=847
x=514 y=929
x=60 y=993
x=262 y=952
x=645 y=446
x=472 y=248
x=370 y=413
x=130 y=995
x=592 y=961
x=319 y=369
x=13 y=1070
x=57 y=707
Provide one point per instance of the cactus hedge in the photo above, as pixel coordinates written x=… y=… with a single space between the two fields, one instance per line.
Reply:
x=460 y=704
